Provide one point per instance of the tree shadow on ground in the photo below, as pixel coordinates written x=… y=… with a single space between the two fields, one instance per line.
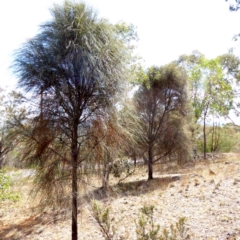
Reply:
x=26 y=226
x=134 y=188
x=17 y=231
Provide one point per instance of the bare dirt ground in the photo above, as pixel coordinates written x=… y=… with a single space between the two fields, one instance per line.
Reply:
x=207 y=194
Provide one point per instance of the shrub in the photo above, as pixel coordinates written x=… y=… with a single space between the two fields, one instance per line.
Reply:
x=102 y=217
x=146 y=229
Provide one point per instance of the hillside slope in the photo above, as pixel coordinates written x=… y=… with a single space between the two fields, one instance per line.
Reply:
x=208 y=195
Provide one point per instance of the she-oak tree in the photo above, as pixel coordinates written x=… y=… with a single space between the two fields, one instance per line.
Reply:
x=73 y=68
x=161 y=103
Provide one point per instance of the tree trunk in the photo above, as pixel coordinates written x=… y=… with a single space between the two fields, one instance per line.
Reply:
x=135 y=160
x=105 y=178
x=150 y=163
x=107 y=167
x=74 y=204
x=74 y=182
x=204 y=137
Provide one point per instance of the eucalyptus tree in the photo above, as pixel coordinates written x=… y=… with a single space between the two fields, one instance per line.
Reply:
x=73 y=69
x=161 y=103
x=210 y=92
x=231 y=68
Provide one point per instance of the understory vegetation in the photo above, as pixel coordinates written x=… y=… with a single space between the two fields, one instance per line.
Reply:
x=146 y=229
x=188 y=202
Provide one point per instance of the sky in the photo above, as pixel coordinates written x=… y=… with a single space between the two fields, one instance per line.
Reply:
x=166 y=29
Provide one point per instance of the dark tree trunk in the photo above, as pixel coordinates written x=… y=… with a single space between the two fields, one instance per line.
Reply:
x=135 y=160
x=74 y=182
x=150 y=163
x=74 y=204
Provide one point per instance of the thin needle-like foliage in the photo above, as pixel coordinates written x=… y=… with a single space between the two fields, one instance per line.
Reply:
x=73 y=70
x=161 y=103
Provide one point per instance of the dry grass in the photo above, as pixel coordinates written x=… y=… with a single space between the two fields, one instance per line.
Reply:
x=207 y=194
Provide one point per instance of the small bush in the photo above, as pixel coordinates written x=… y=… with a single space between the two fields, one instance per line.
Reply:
x=146 y=229
x=102 y=217
x=119 y=167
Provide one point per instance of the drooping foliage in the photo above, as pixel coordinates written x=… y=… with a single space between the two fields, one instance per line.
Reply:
x=74 y=68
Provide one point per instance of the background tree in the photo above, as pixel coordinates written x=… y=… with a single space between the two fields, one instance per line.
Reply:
x=231 y=68
x=210 y=92
x=73 y=68
x=161 y=103
x=4 y=146
x=11 y=105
